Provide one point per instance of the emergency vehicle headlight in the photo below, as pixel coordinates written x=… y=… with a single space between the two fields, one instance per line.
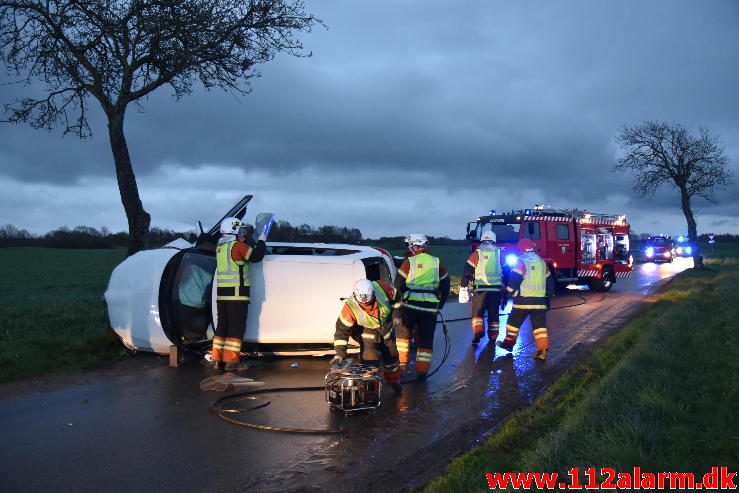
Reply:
x=650 y=252
x=689 y=250
x=667 y=254
x=511 y=259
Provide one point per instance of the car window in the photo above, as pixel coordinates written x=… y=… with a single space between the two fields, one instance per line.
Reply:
x=376 y=269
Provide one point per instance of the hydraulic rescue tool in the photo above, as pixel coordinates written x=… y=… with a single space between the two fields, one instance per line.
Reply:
x=352 y=388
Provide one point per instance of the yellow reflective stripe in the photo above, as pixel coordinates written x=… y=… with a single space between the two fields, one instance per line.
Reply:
x=232 y=298
x=529 y=307
x=405 y=276
x=420 y=308
x=401 y=345
x=387 y=336
x=470 y=263
x=341 y=342
x=509 y=289
x=368 y=335
x=511 y=329
x=217 y=344
x=345 y=321
x=232 y=344
x=424 y=356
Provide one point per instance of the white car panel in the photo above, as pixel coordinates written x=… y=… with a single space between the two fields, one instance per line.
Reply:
x=294 y=298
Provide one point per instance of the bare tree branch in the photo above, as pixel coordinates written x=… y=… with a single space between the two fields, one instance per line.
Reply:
x=656 y=153
x=119 y=51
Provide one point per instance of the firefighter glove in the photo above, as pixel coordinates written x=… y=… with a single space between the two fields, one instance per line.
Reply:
x=464 y=295
x=503 y=302
x=336 y=360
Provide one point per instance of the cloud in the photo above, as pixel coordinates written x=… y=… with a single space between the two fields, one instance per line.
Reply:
x=504 y=102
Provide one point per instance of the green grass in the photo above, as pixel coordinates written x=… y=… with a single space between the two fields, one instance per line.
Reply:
x=662 y=393
x=51 y=310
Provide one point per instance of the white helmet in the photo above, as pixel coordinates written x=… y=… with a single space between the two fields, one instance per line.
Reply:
x=231 y=225
x=364 y=292
x=488 y=236
x=417 y=240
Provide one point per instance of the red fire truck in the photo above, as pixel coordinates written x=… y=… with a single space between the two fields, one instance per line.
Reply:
x=579 y=246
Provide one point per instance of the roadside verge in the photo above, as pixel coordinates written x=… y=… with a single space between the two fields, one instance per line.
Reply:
x=662 y=393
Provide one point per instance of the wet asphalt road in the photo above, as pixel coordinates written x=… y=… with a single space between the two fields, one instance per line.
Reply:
x=149 y=429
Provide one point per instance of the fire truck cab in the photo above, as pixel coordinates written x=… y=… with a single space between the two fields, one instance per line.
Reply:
x=578 y=246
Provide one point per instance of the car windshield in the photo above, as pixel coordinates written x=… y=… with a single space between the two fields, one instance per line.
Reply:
x=659 y=241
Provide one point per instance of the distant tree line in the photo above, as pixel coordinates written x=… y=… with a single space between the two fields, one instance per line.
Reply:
x=84 y=237
x=88 y=237
x=284 y=231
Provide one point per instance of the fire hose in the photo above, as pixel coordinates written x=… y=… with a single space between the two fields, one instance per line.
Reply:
x=221 y=408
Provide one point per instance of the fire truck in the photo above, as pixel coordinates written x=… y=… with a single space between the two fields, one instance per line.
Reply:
x=578 y=246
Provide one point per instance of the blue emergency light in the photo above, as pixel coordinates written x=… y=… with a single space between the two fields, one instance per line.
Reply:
x=527 y=212
x=492 y=212
x=511 y=259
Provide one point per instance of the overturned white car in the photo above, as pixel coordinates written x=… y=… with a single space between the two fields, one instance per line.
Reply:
x=165 y=296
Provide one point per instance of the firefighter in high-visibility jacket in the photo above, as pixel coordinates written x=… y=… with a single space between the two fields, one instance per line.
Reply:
x=484 y=270
x=530 y=285
x=366 y=317
x=233 y=255
x=423 y=285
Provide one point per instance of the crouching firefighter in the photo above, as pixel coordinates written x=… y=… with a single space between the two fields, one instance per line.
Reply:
x=484 y=270
x=233 y=255
x=366 y=317
x=423 y=283
x=530 y=285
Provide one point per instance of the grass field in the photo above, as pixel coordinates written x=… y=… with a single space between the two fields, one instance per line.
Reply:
x=662 y=394
x=51 y=310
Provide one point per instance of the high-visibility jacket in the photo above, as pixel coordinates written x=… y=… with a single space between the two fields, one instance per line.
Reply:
x=423 y=278
x=232 y=277
x=365 y=319
x=534 y=283
x=488 y=272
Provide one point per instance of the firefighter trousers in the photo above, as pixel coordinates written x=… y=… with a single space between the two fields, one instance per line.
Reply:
x=538 y=324
x=373 y=348
x=425 y=323
x=485 y=302
x=230 y=330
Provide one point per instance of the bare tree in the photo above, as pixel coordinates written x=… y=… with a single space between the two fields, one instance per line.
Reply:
x=658 y=153
x=119 y=51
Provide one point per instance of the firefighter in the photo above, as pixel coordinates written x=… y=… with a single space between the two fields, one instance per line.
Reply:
x=423 y=286
x=484 y=270
x=530 y=285
x=233 y=255
x=366 y=317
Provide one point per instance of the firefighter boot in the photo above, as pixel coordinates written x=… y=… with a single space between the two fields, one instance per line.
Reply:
x=421 y=377
x=236 y=366
x=505 y=344
x=397 y=387
x=541 y=354
x=477 y=338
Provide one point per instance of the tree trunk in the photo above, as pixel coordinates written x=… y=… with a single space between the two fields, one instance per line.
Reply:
x=692 y=228
x=138 y=218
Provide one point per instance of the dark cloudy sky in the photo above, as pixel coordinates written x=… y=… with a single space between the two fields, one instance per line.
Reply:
x=412 y=116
